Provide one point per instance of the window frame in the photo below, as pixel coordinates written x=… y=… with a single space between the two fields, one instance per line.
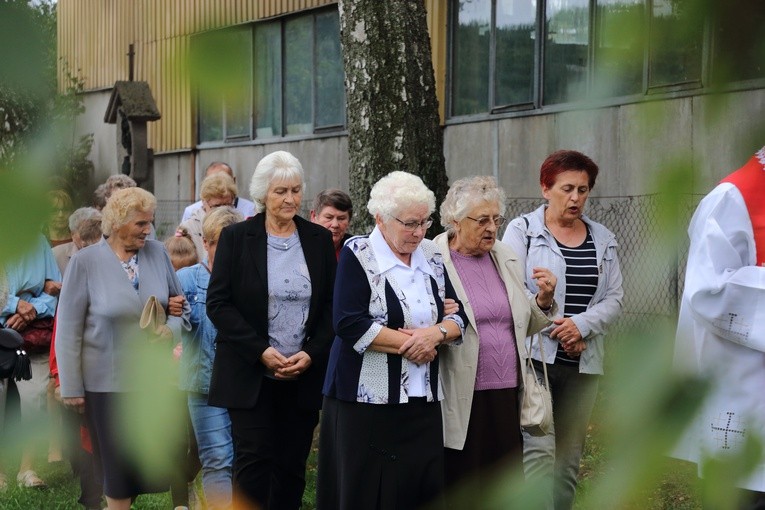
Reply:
x=281 y=134
x=645 y=91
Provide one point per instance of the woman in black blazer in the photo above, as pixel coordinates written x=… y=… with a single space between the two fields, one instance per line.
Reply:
x=270 y=297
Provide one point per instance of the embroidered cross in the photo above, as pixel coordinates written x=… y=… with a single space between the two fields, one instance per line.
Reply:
x=725 y=431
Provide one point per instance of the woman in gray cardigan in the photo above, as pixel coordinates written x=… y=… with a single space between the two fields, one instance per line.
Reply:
x=99 y=344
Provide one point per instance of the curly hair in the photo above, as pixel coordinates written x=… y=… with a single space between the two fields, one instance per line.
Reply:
x=467 y=193
x=122 y=205
x=396 y=191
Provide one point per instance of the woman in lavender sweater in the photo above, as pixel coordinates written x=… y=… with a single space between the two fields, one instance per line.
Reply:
x=482 y=391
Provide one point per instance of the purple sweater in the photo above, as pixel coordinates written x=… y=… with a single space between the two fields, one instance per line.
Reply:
x=497 y=353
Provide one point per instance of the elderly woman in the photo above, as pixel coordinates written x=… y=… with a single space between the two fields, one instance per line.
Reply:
x=98 y=335
x=212 y=425
x=218 y=190
x=270 y=298
x=482 y=376
x=381 y=444
x=582 y=254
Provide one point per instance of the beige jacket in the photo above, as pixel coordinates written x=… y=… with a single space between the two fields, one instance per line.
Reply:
x=459 y=363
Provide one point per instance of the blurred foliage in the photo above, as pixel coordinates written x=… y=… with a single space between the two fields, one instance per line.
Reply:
x=39 y=148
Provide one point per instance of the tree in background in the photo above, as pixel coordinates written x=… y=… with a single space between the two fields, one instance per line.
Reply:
x=39 y=149
x=391 y=99
x=36 y=122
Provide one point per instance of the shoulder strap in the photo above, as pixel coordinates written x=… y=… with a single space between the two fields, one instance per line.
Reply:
x=528 y=237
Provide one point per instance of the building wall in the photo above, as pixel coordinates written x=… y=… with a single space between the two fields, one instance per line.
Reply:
x=94 y=37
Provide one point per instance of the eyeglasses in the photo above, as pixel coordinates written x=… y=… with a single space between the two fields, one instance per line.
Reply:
x=411 y=226
x=483 y=221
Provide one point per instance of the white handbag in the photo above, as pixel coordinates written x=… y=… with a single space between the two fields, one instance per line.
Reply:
x=536 y=405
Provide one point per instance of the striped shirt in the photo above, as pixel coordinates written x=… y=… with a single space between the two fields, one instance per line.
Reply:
x=581 y=282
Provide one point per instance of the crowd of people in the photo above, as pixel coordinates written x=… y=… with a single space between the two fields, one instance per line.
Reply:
x=411 y=353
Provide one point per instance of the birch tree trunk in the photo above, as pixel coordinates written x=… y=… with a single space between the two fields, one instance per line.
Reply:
x=391 y=99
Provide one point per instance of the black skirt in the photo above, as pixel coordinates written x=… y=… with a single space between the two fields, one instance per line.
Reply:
x=494 y=442
x=380 y=456
x=124 y=475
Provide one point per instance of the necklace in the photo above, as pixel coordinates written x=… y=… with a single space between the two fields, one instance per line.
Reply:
x=282 y=243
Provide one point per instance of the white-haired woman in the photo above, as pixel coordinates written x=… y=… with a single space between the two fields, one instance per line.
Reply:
x=381 y=444
x=270 y=298
x=104 y=292
x=482 y=378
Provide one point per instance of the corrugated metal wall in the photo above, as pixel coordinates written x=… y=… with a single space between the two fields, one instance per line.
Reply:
x=94 y=37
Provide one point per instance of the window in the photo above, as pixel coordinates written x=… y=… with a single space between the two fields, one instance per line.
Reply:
x=224 y=85
x=566 y=50
x=675 y=44
x=509 y=55
x=275 y=78
x=619 y=42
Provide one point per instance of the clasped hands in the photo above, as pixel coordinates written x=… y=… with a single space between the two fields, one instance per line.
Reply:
x=284 y=367
x=568 y=335
x=25 y=313
x=421 y=345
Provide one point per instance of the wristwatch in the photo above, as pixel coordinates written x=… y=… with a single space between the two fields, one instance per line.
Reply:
x=443 y=331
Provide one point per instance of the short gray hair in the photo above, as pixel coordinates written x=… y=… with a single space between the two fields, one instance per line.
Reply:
x=467 y=193
x=398 y=190
x=82 y=214
x=277 y=166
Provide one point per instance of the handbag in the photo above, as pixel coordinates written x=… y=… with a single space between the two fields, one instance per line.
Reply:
x=37 y=335
x=536 y=406
x=153 y=315
x=14 y=362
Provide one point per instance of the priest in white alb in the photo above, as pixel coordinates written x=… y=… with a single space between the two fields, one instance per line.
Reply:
x=721 y=328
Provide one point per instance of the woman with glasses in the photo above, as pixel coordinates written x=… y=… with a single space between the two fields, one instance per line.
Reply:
x=381 y=443
x=582 y=254
x=482 y=431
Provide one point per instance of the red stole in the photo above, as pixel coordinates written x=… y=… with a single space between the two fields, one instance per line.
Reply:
x=750 y=181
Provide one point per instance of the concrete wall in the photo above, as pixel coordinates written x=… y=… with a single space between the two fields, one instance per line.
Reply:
x=633 y=144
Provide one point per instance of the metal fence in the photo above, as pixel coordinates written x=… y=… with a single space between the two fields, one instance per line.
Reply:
x=652 y=264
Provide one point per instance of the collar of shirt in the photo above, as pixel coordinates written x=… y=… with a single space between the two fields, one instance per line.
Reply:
x=387 y=260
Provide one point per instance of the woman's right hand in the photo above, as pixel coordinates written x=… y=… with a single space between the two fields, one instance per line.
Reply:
x=75 y=403
x=546 y=282
x=273 y=360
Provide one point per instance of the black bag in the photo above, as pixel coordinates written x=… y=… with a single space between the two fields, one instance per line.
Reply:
x=14 y=362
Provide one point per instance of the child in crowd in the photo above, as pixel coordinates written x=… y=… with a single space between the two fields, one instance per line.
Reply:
x=181 y=249
x=183 y=253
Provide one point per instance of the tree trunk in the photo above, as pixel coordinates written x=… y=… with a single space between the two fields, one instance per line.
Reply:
x=391 y=99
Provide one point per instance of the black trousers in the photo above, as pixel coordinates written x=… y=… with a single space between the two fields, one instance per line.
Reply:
x=271 y=445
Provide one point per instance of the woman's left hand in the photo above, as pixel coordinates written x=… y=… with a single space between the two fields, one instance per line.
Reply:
x=175 y=305
x=294 y=366
x=421 y=345
x=566 y=333
x=450 y=306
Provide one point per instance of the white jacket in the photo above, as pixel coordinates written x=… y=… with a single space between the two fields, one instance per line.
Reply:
x=721 y=330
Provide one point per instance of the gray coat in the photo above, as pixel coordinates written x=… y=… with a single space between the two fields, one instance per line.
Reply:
x=97 y=332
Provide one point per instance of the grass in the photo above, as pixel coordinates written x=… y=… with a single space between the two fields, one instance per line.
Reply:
x=676 y=490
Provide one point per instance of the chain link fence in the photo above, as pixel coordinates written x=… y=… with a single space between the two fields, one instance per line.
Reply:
x=653 y=273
